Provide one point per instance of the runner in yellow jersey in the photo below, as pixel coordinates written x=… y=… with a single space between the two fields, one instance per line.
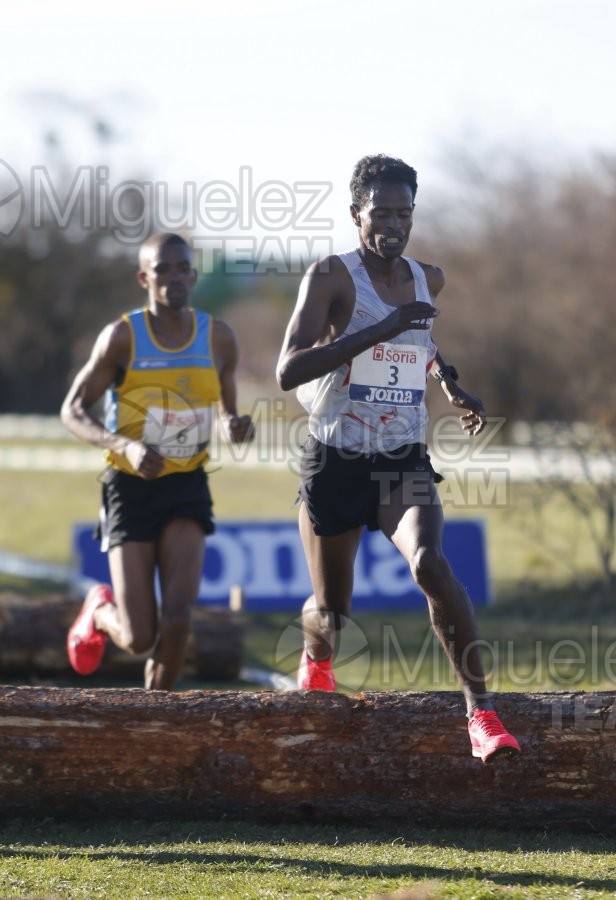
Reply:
x=165 y=369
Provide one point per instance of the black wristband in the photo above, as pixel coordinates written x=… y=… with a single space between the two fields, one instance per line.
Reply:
x=446 y=372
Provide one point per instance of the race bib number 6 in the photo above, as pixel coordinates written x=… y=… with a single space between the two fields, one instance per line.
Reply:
x=389 y=374
x=178 y=434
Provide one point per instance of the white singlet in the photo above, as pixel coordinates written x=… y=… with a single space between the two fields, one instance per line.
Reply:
x=375 y=402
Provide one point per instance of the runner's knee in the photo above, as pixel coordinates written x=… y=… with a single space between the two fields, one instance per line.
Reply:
x=429 y=567
x=138 y=641
x=175 y=627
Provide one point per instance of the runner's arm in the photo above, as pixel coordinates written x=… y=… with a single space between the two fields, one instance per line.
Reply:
x=109 y=356
x=474 y=419
x=224 y=344
x=312 y=345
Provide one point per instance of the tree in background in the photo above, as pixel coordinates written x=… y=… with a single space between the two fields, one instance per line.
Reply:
x=527 y=310
x=63 y=273
x=528 y=253
x=55 y=295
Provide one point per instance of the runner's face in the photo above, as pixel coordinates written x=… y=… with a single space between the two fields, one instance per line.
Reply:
x=385 y=219
x=168 y=276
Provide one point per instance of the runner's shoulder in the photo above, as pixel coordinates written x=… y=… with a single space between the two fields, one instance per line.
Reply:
x=327 y=265
x=330 y=275
x=435 y=276
x=114 y=341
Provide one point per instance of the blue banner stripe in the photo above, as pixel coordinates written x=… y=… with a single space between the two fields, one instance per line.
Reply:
x=266 y=560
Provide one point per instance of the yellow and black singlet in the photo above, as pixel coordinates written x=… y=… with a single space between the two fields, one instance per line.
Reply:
x=167 y=396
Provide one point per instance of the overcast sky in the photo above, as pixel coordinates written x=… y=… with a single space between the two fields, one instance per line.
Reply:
x=297 y=91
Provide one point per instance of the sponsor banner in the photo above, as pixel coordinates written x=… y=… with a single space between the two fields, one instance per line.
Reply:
x=266 y=559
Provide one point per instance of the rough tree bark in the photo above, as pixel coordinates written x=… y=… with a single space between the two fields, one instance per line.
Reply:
x=376 y=757
x=33 y=634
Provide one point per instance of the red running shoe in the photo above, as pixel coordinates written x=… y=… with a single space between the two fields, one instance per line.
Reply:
x=489 y=737
x=315 y=674
x=85 y=643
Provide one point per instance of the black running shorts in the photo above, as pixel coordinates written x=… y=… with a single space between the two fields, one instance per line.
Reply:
x=343 y=490
x=138 y=510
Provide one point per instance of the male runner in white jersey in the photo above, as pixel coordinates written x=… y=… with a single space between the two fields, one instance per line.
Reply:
x=164 y=368
x=359 y=348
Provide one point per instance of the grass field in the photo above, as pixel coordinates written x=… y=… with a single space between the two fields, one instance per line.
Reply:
x=542 y=573
x=137 y=859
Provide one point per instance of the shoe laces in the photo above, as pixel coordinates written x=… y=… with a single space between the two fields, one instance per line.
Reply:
x=489 y=723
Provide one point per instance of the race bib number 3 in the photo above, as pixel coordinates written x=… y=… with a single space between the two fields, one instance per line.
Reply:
x=178 y=434
x=389 y=374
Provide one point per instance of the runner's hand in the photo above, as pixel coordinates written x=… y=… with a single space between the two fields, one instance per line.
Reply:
x=146 y=462
x=409 y=317
x=240 y=429
x=474 y=421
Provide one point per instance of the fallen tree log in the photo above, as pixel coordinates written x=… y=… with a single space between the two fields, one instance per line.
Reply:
x=33 y=634
x=377 y=757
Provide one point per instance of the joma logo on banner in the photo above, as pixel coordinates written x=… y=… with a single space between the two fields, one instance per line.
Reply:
x=266 y=559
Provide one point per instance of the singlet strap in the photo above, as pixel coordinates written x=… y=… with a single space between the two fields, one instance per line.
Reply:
x=352 y=261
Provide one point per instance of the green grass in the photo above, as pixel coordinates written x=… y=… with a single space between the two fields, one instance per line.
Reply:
x=40 y=508
x=246 y=860
x=547 y=641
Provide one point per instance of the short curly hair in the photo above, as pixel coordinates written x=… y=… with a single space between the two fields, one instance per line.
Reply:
x=371 y=170
x=158 y=240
